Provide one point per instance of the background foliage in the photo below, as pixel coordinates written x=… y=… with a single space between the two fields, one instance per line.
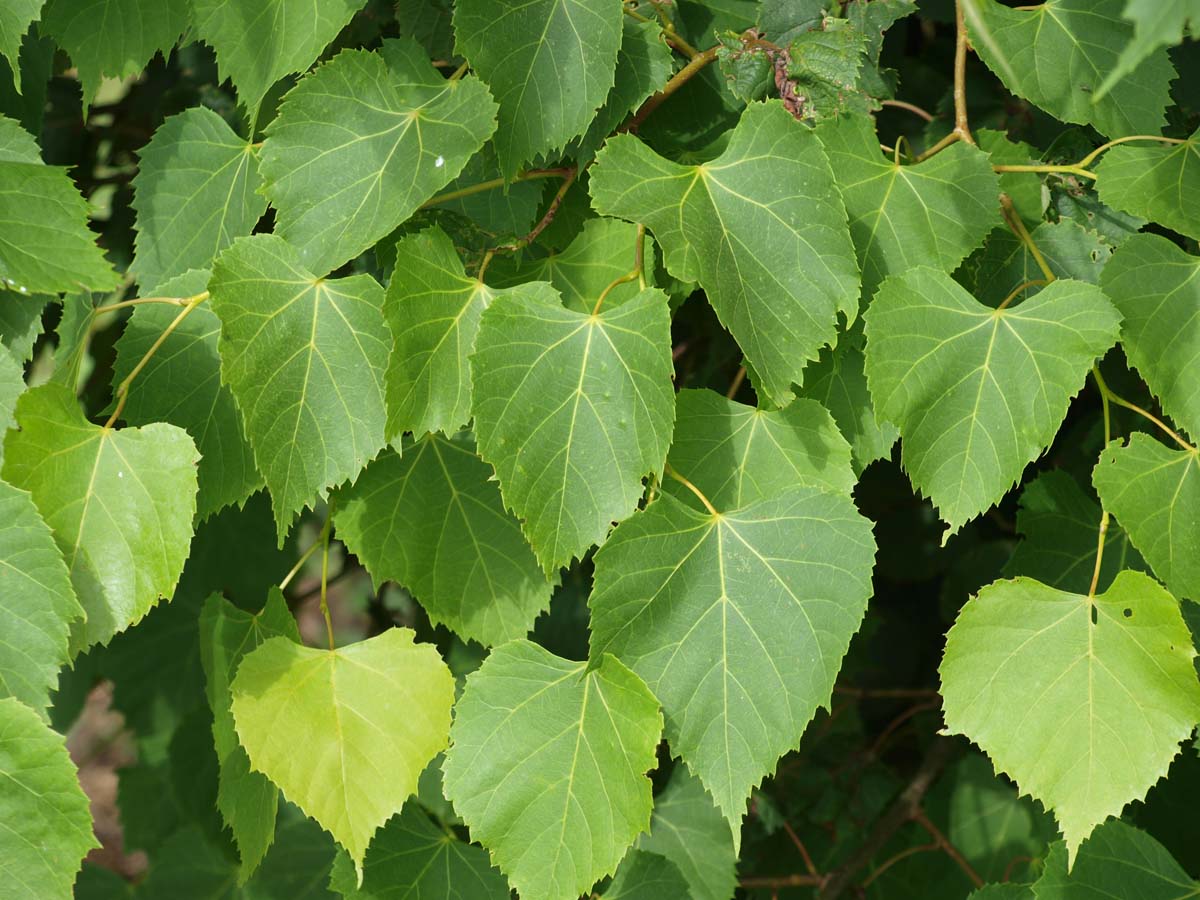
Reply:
x=650 y=450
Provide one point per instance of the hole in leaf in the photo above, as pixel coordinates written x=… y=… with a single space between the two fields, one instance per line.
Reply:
x=1128 y=613
x=1093 y=613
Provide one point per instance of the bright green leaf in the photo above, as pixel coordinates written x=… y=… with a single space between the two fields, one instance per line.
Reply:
x=247 y=800
x=978 y=393
x=678 y=592
x=368 y=717
x=98 y=489
x=1058 y=55
x=195 y=191
x=1084 y=715
x=304 y=357
x=933 y=213
x=1158 y=181
x=550 y=65
x=412 y=859
x=646 y=876
x=548 y=763
x=37 y=599
x=737 y=455
x=181 y=384
x=1156 y=286
x=48 y=828
x=1154 y=492
x=398 y=519
x=259 y=41
x=362 y=142
x=761 y=227
x=572 y=410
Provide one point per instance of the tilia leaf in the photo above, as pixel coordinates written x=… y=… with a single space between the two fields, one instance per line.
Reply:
x=1154 y=180
x=1082 y=701
x=761 y=227
x=548 y=766
x=369 y=717
x=304 y=357
x=978 y=393
x=15 y=18
x=97 y=488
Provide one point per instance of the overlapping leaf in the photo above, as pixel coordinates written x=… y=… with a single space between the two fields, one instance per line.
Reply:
x=113 y=38
x=646 y=876
x=304 y=357
x=1154 y=180
x=1117 y=860
x=369 y=716
x=362 y=142
x=20 y=322
x=181 y=384
x=1156 y=23
x=247 y=799
x=15 y=18
x=260 y=41
x=761 y=227
x=1156 y=286
x=713 y=610
x=48 y=827
x=197 y=189
x=433 y=310
x=550 y=65
x=119 y=503
x=1059 y=54
x=1005 y=264
x=572 y=410
x=37 y=599
x=932 y=213
x=412 y=859
x=737 y=455
x=978 y=393
x=433 y=521
x=1082 y=701
x=548 y=765
x=1154 y=492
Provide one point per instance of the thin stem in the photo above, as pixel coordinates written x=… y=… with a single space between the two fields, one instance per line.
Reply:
x=569 y=179
x=799 y=844
x=898 y=857
x=1072 y=169
x=950 y=850
x=961 y=127
x=1091 y=157
x=324 y=542
x=1013 y=218
x=951 y=138
x=889 y=693
x=459 y=72
x=1035 y=282
x=1121 y=401
x=492 y=184
x=295 y=570
x=678 y=80
x=781 y=881
x=487 y=259
x=735 y=385
x=634 y=275
x=668 y=470
x=122 y=391
x=900 y=142
x=669 y=32
x=911 y=107
x=138 y=301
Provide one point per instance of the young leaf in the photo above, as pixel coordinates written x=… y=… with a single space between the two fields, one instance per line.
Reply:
x=737 y=455
x=547 y=766
x=761 y=227
x=1058 y=55
x=304 y=357
x=363 y=141
x=399 y=515
x=1059 y=525
x=1084 y=715
x=368 y=717
x=931 y=213
x=48 y=827
x=678 y=591
x=1117 y=857
x=38 y=602
x=978 y=392
x=1158 y=181
x=259 y=41
x=433 y=310
x=411 y=859
x=688 y=829
x=197 y=189
x=181 y=384
x=15 y=18
x=113 y=38
x=97 y=488
x=1156 y=286
x=572 y=410
x=646 y=876
x=1154 y=491
x=550 y=65
x=247 y=800
x=45 y=244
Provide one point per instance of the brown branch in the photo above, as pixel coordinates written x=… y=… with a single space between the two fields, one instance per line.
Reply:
x=950 y=850
x=780 y=881
x=678 y=80
x=548 y=217
x=808 y=862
